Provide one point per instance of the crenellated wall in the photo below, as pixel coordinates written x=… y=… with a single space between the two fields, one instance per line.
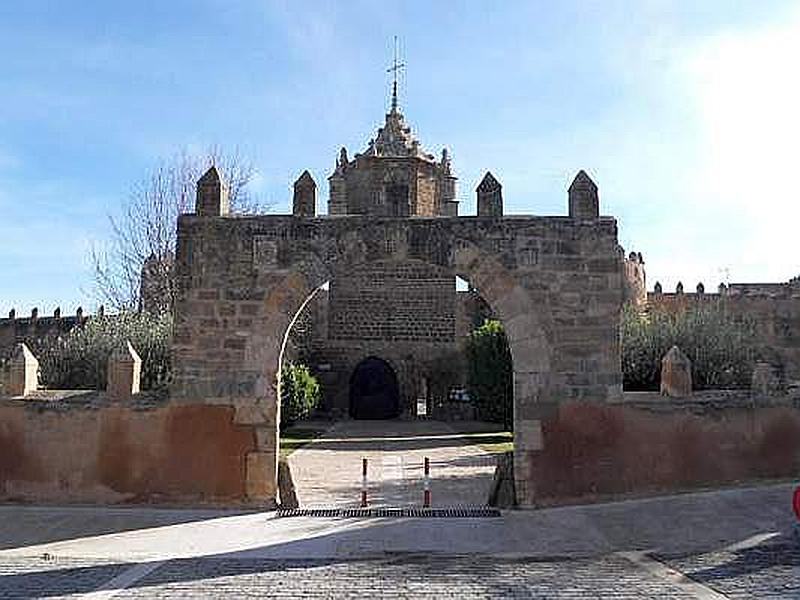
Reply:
x=555 y=282
x=14 y=328
x=773 y=307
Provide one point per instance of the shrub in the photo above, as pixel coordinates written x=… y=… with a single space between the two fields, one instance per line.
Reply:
x=78 y=360
x=300 y=393
x=490 y=374
x=721 y=347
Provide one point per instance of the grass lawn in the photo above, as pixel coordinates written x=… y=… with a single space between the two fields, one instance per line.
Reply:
x=297 y=437
x=491 y=441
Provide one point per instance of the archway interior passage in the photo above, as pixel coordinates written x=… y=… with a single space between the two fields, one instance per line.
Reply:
x=374 y=392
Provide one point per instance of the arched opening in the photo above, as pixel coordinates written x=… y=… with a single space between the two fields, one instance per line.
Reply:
x=487 y=383
x=374 y=393
x=480 y=287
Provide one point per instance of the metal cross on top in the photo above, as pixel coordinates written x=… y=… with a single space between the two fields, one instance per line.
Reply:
x=396 y=66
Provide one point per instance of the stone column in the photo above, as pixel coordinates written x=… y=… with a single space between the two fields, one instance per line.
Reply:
x=23 y=372
x=124 y=373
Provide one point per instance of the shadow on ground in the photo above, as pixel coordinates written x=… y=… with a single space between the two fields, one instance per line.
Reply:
x=400 y=444
x=33 y=525
x=57 y=580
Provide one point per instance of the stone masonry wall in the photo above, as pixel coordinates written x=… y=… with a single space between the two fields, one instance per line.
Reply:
x=361 y=189
x=555 y=282
x=333 y=361
x=393 y=301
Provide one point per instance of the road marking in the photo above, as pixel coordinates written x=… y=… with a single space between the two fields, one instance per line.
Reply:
x=675 y=577
x=125 y=579
x=751 y=542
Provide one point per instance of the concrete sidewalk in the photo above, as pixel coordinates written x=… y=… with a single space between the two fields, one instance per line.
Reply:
x=690 y=523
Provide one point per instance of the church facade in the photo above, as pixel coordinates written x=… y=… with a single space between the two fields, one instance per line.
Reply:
x=388 y=333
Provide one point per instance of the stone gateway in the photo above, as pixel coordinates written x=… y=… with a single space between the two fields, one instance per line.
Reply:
x=390 y=250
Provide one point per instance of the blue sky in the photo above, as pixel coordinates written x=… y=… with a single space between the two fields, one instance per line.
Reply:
x=684 y=113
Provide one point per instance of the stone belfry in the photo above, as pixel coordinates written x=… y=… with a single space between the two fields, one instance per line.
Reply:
x=393 y=176
x=390 y=319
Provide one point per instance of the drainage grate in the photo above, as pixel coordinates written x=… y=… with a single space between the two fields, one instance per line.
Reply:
x=446 y=512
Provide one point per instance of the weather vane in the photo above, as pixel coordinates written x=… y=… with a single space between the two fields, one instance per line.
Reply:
x=396 y=66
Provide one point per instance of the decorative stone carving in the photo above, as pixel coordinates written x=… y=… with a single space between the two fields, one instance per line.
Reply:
x=676 y=374
x=265 y=252
x=342 y=161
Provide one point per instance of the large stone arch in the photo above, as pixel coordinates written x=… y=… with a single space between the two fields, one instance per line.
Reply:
x=527 y=325
x=524 y=321
x=554 y=282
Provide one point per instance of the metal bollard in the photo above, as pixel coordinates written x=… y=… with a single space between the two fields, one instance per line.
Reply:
x=363 y=483
x=426 y=495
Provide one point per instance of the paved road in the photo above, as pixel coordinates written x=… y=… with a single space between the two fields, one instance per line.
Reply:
x=728 y=544
x=768 y=571
x=327 y=472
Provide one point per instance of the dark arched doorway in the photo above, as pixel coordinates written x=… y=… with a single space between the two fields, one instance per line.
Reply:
x=373 y=390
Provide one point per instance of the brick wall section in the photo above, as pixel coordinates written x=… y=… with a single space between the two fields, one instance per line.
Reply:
x=392 y=301
x=333 y=361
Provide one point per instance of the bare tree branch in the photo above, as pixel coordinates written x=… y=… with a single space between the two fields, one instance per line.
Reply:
x=142 y=239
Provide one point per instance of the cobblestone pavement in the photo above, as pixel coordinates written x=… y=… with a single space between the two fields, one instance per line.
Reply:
x=736 y=543
x=769 y=570
x=395 y=577
x=763 y=571
x=327 y=472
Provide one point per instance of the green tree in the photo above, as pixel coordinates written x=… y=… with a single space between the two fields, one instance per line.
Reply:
x=721 y=346
x=300 y=393
x=78 y=360
x=490 y=373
